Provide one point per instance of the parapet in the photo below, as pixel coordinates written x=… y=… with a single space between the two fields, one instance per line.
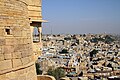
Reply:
x=45 y=77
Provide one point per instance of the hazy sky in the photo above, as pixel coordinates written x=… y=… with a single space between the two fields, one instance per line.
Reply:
x=81 y=16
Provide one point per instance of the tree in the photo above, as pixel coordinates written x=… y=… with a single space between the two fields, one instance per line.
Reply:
x=57 y=73
x=38 y=69
x=108 y=39
x=64 y=51
x=93 y=53
x=67 y=38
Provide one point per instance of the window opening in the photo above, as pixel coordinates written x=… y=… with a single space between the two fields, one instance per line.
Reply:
x=35 y=35
x=7 y=31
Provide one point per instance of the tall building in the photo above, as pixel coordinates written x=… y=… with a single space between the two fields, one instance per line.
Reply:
x=17 y=45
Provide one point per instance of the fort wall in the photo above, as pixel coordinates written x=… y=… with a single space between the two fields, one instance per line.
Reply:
x=16 y=53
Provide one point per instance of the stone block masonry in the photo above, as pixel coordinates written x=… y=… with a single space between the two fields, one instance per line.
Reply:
x=16 y=58
x=27 y=73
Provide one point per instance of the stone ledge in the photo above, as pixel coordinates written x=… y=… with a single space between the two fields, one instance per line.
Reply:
x=15 y=69
x=45 y=77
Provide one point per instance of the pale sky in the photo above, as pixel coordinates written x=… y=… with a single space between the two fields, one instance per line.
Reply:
x=81 y=16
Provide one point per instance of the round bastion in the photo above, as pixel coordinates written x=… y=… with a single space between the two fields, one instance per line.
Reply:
x=16 y=58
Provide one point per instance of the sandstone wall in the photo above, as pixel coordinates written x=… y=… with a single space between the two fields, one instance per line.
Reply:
x=16 y=58
x=45 y=77
x=35 y=10
x=35 y=16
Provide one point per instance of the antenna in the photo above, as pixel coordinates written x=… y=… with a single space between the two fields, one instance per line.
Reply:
x=51 y=30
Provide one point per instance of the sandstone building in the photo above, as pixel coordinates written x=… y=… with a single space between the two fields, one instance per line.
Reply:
x=17 y=21
x=35 y=17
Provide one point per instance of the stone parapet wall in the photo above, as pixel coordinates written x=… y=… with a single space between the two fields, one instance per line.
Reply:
x=15 y=42
x=45 y=77
x=27 y=73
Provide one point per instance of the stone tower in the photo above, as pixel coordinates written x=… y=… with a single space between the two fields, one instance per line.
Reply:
x=16 y=51
x=35 y=16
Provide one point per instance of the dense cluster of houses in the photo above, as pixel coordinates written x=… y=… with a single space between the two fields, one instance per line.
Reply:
x=87 y=55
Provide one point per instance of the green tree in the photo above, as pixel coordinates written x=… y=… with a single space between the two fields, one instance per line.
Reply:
x=38 y=69
x=64 y=51
x=57 y=73
x=93 y=52
x=108 y=39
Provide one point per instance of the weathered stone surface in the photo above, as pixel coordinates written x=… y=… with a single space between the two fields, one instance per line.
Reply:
x=19 y=41
x=22 y=71
x=6 y=64
x=3 y=77
x=23 y=77
x=31 y=58
x=2 y=50
x=16 y=55
x=25 y=60
x=2 y=41
x=27 y=73
x=18 y=47
x=15 y=39
x=30 y=75
x=16 y=63
x=9 y=49
x=25 y=53
x=1 y=32
x=18 y=33
x=1 y=57
x=11 y=76
x=8 y=56
x=35 y=10
x=9 y=41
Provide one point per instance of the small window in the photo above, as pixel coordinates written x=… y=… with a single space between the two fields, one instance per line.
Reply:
x=7 y=31
x=36 y=35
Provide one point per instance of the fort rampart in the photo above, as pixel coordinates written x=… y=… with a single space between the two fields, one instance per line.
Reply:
x=16 y=55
